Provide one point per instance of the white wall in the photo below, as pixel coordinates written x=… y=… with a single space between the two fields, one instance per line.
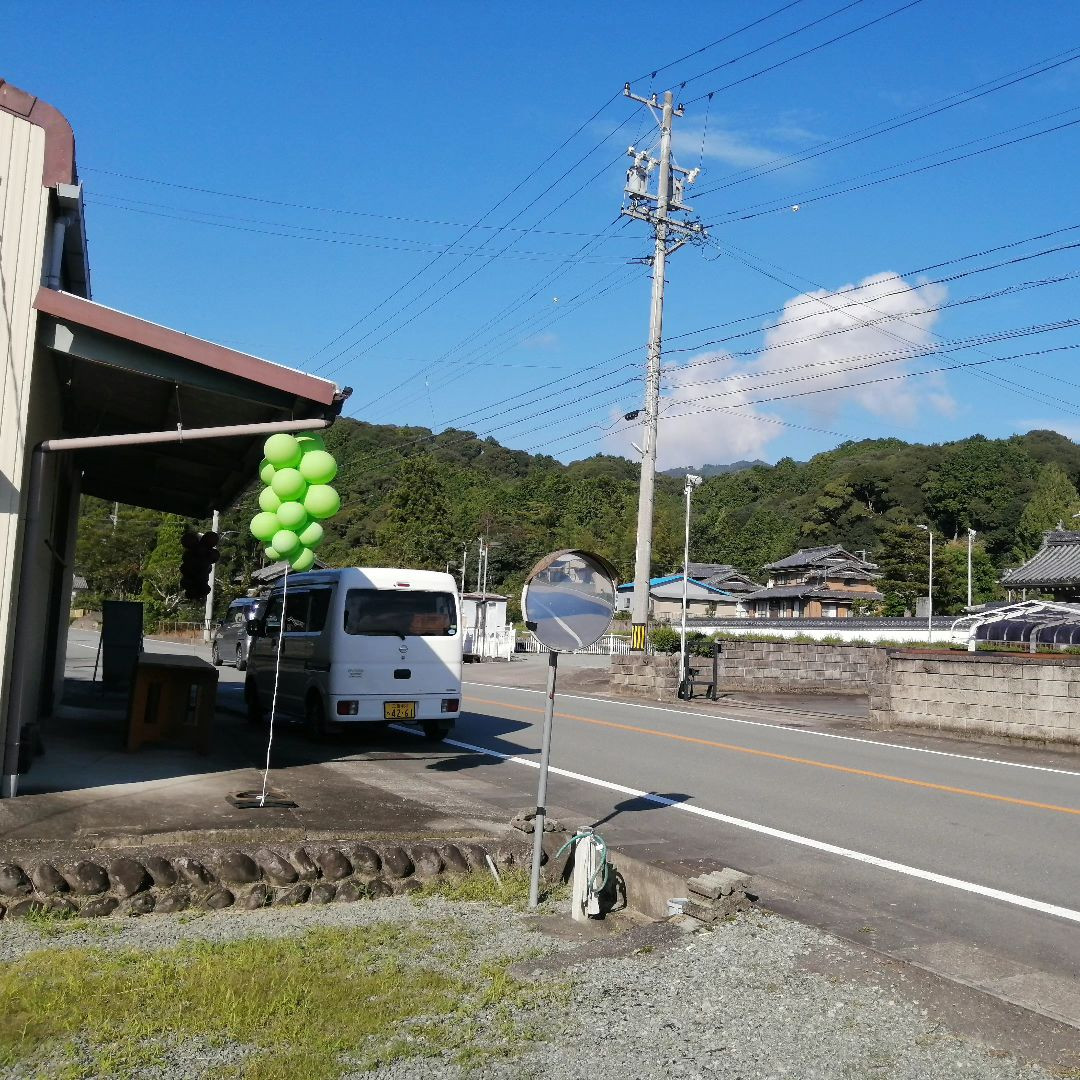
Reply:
x=23 y=218
x=836 y=629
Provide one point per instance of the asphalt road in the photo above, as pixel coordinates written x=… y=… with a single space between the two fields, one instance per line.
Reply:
x=958 y=857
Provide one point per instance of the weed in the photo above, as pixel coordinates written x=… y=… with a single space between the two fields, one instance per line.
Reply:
x=305 y=1006
x=480 y=885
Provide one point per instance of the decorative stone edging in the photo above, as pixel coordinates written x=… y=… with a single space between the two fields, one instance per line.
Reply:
x=312 y=873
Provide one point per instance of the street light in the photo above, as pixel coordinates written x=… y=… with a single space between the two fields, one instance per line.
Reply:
x=971 y=538
x=692 y=482
x=930 y=586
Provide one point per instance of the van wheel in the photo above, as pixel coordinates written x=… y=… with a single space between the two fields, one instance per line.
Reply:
x=215 y=656
x=255 y=714
x=241 y=663
x=315 y=718
x=435 y=731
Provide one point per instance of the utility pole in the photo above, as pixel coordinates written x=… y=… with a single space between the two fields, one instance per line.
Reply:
x=656 y=210
x=481 y=588
x=215 y=527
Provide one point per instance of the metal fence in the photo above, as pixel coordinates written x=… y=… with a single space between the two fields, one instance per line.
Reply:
x=608 y=645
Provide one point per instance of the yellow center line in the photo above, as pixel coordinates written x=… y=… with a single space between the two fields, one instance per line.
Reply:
x=786 y=757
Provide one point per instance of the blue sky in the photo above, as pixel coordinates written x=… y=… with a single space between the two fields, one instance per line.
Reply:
x=349 y=146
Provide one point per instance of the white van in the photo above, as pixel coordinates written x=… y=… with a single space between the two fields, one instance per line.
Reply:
x=360 y=646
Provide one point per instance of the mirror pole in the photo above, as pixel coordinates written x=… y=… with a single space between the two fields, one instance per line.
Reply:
x=541 y=791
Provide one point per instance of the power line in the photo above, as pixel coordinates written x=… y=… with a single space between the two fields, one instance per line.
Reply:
x=809 y=198
x=900 y=120
x=337 y=238
x=719 y=41
x=805 y=52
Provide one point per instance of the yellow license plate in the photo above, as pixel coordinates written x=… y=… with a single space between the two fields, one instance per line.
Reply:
x=399 y=710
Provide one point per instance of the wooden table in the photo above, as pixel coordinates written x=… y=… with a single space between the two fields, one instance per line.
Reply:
x=161 y=699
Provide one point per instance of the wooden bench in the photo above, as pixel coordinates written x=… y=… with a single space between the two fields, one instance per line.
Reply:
x=161 y=699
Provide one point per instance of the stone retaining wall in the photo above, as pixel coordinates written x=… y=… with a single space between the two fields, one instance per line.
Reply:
x=764 y=667
x=1013 y=695
x=314 y=873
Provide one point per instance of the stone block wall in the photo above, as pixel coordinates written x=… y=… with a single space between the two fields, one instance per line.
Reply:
x=1013 y=695
x=652 y=677
x=764 y=667
x=782 y=667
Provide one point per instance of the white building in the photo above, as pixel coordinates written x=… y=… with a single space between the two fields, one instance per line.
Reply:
x=483 y=623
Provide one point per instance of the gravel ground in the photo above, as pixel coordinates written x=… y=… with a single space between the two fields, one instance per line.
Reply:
x=732 y=1003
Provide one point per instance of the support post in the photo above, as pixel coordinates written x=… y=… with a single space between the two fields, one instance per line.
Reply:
x=541 y=789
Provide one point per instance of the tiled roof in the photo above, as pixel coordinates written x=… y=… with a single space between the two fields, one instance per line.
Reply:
x=722 y=574
x=815 y=555
x=1057 y=562
x=668 y=579
x=812 y=592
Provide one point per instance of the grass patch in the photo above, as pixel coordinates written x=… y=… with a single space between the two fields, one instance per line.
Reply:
x=480 y=885
x=314 y=1005
x=57 y=922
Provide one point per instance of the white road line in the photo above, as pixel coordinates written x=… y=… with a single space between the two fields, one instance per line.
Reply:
x=793 y=731
x=780 y=834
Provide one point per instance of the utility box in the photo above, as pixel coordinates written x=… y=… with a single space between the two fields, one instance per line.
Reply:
x=121 y=640
x=483 y=624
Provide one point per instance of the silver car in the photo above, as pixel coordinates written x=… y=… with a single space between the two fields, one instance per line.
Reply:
x=231 y=641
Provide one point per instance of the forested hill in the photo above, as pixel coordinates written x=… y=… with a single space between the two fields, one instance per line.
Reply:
x=412 y=498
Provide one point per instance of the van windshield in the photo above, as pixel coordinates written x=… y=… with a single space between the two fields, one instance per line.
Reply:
x=386 y=612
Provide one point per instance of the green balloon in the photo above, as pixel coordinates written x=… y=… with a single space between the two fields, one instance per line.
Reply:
x=272 y=554
x=321 y=501
x=304 y=561
x=266 y=471
x=286 y=542
x=292 y=515
x=282 y=451
x=264 y=525
x=312 y=536
x=318 y=467
x=269 y=501
x=288 y=484
x=310 y=441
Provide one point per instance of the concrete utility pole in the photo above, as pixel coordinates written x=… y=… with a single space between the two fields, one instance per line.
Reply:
x=209 y=622
x=656 y=210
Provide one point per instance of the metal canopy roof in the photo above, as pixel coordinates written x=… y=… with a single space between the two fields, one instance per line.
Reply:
x=123 y=375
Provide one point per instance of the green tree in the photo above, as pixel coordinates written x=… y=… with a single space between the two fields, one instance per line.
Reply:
x=1054 y=500
x=416 y=529
x=161 y=592
x=950 y=578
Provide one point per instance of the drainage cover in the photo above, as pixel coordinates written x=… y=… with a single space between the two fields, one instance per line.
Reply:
x=253 y=800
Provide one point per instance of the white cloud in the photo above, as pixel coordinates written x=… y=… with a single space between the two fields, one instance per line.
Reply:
x=830 y=339
x=822 y=341
x=714 y=437
x=730 y=147
x=546 y=339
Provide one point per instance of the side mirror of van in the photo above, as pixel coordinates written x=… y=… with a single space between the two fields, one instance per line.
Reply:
x=256 y=627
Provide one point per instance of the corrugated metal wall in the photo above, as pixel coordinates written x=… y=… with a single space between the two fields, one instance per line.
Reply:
x=23 y=216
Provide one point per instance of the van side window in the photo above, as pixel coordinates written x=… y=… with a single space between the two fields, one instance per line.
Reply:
x=296 y=609
x=318 y=609
x=273 y=615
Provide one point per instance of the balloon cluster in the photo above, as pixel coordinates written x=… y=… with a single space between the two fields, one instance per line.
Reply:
x=297 y=473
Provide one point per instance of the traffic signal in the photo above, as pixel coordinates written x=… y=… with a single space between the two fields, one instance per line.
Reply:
x=200 y=554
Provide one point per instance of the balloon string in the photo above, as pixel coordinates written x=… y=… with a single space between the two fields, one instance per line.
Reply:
x=277 y=674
